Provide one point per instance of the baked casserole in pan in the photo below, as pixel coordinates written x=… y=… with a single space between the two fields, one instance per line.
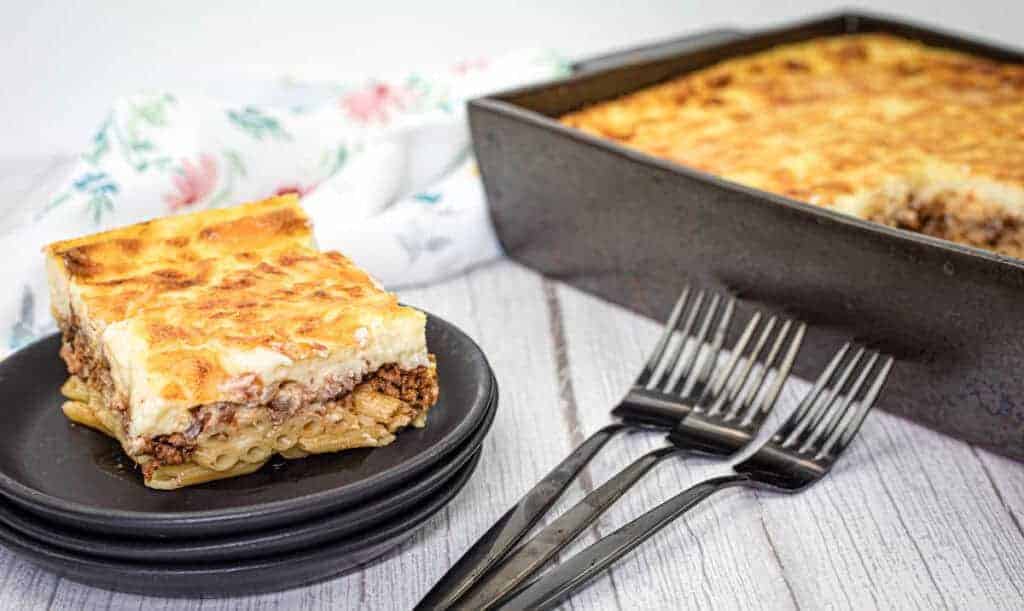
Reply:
x=863 y=173
x=878 y=126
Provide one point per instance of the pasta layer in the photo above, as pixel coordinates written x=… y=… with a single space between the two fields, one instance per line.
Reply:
x=232 y=440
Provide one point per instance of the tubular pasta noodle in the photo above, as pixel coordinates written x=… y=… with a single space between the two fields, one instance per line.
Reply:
x=350 y=439
x=110 y=420
x=375 y=406
x=257 y=452
x=284 y=441
x=76 y=390
x=220 y=457
x=293 y=452
x=308 y=427
x=80 y=413
x=169 y=477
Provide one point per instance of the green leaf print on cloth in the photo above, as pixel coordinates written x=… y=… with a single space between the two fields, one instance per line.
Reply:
x=144 y=114
x=234 y=170
x=379 y=162
x=99 y=191
x=258 y=124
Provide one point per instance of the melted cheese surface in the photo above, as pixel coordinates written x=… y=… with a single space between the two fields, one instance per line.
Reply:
x=857 y=123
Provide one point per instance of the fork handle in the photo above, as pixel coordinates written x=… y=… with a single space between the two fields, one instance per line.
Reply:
x=513 y=526
x=651 y=408
x=524 y=562
x=546 y=591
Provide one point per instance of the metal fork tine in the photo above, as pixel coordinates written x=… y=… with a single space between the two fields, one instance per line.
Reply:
x=701 y=379
x=714 y=392
x=740 y=408
x=815 y=414
x=690 y=371
x=835 y=415
x=683 y=372
x=669 y=362
x=659 y=348
x=737 y=397
x=786 y=429
x=849 y=426
x=735 y=386
x=767 y=402
x=755 y=354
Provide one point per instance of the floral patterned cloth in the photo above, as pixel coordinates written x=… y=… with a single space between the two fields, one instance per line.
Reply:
x=383 y=167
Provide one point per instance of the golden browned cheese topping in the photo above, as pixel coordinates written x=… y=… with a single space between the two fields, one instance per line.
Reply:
x=164 y=254
x=247 y=312
x=199 y=308
x=832 y=120
x=296 y=302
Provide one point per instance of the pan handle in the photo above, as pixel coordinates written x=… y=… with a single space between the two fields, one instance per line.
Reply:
x=656 y=50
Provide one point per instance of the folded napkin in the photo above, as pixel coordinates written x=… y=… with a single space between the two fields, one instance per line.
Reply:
x=383 y=166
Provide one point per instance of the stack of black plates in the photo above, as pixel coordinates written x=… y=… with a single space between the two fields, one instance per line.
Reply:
x=73 y=503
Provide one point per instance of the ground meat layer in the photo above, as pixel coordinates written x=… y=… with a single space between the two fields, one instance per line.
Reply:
x=958 y=218
x=82 y=361
x=417 y=388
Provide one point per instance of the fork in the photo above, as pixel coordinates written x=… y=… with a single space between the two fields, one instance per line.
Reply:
x=801 y=452
x=725 y=419
x=670 y=383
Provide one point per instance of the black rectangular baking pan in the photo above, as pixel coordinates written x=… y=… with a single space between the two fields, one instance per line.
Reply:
x=634 y=229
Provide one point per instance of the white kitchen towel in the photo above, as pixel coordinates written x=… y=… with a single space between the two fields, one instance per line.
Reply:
x=383 y=166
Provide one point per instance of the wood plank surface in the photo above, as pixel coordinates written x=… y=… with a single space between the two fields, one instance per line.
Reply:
x=909 y=518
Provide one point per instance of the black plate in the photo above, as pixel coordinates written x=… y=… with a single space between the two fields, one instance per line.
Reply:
x=77 y=477
x=316 y=531
x=236 y=577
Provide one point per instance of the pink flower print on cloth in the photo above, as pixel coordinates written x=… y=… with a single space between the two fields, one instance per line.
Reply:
x=296 y=188
x=375 y=103
x=193 y=183
x=353 y=148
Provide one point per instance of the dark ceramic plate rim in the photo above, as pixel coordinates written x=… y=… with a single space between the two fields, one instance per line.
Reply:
x=236 y=576
x=179 y=524
x=324 y=529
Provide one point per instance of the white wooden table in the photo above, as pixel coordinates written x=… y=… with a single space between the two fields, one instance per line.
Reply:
x=908 y=519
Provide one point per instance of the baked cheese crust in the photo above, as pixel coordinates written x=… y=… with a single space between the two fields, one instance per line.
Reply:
x=873 y=125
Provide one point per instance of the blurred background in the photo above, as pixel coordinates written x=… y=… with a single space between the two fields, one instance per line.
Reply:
x=63 y=63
